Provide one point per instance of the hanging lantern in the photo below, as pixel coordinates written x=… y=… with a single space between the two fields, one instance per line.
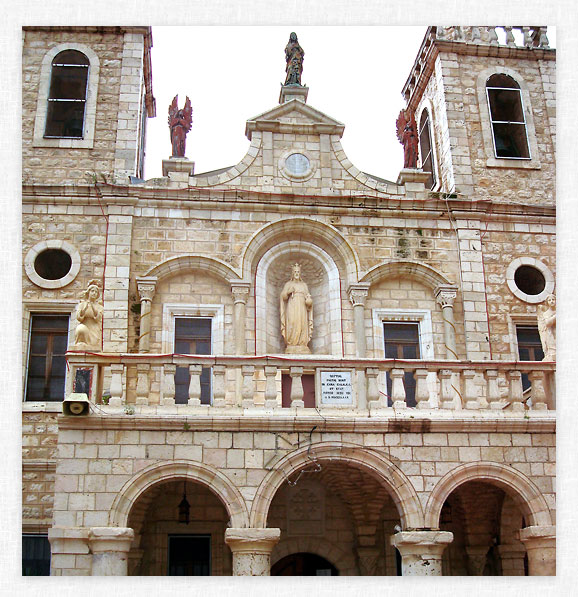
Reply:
x=184 y=507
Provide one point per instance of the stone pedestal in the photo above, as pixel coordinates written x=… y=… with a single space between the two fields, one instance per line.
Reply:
x=110 y=547
x=178 y=170
x=290 y=92
x=421 y=551
x=413 y=179
x=540 y=543
x=252 y=550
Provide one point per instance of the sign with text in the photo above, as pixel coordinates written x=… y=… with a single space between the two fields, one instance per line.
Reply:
x=336 y=387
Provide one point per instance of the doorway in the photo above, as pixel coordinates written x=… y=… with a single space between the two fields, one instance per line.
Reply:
x=303 y=564
x=189 y=555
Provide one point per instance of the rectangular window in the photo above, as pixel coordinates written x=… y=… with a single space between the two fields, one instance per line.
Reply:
x=402 y=342
x=46 y=357
x=192 y=336
x=529 y=348
x=35 y=555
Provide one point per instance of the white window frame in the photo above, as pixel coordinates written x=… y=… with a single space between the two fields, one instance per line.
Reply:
x=87 y=142
x=432 y=153
x=214 y=312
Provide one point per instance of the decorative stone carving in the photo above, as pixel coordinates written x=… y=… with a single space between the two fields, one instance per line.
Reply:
x=88 y=332
x=357 y=295
x=547 y=327
x=294 y=56
x=296 y=309
x=180 y=122
x=407 y=135
x=445 y=297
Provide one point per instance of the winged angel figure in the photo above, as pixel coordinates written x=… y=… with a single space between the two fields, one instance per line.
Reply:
x=407 y=135
x=180 y=122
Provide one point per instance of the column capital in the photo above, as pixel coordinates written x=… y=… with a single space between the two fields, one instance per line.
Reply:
x=445 y=295
x=240 y=290
x=106 y=539
x=252 y=540
x=146 y=287
x=358 y=293
x=419 y=542
x=537 y=534
x=540 y=543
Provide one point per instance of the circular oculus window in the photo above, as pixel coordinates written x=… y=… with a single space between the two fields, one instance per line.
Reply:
x=52 y=264
x=529 y=279
x=296 y=166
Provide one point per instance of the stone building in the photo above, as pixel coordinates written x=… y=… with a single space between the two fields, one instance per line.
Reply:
x=383 y=409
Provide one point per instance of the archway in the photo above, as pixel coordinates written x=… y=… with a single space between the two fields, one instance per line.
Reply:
x=303 y=564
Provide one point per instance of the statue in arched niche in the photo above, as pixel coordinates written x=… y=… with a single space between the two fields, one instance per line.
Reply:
x=88 y=332
x=547 y=327
x=296 y=308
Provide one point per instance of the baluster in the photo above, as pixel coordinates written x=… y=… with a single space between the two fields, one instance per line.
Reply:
x=397 y=388
x=169 y=384
x=373 y=396
x=476 y=35
x=516 y=391
x=142 y=383
x=248 y=388
x=539 y=401
x=440 y=32
x=494 y=398
x=116 y=393
x=527 y=37
x=493 y=36
x=271 y=387
x=296 y=387
x=195 y=385
x=447 y=392
x=421 y=388
x=219 y=386
x=540 y=38
x=471 y=390
x=510 y=40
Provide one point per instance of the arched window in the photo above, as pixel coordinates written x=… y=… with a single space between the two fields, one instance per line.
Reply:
x=425 y=147
x=507 y=117
x=67 y=95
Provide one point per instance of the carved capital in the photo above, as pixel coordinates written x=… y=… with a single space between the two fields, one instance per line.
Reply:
x=446 y=295
x=146 y=288
x=358 y=293
x=240 y=291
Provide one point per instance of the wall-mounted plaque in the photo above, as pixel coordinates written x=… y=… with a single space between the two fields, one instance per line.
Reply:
x=336 y=387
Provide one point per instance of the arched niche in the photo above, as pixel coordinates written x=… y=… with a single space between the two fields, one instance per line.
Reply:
x=320 y=273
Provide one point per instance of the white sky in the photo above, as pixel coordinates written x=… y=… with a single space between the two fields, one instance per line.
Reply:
x=231 y=74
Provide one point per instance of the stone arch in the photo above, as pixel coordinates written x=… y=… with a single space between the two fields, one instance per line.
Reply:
x=183 y=263
x=515 y=484
x=215 y=481
x=423 y=273
x=399 y=486
x=302 y=229
x=333 y=329
x=344 y=562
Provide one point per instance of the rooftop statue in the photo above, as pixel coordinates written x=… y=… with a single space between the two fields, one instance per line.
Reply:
x=180 y=121
x=407 y=135
x=294 y=55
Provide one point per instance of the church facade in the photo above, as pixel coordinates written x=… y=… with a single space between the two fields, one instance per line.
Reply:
x=289 y=366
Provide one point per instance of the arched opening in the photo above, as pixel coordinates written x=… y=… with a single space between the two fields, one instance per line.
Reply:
x=339 y=511
x=507 y=117
x=426 y=149
x=67 y=95
x=303 y=564
x=164 y=545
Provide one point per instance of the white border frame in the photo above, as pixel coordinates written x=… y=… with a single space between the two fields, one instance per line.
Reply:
x=52 y=244
x=87 y=142
x=542 y=268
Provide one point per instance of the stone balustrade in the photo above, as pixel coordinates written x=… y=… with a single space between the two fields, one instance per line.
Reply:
x=271 y=383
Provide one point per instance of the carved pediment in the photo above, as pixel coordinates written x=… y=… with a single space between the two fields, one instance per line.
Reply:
x=294 y=116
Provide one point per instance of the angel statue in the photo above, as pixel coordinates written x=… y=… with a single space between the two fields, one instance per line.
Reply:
x=547 y=327
x=407 y=135
x=294 y=55
x=180 y=122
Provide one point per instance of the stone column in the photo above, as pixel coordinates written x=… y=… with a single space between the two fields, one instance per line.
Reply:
x=110 y=547
x=240 y=292
x=357 y=295
x=251 y=550
x=70 y=554
x=512 y=557
x=146 y=290
x=540 y=543
x=421 y=551
x=445 y=296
